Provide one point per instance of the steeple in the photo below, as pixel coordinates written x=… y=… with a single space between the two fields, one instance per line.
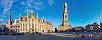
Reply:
x=37 y=15
x=37 y=21
x=20 y=15
x=27 y=15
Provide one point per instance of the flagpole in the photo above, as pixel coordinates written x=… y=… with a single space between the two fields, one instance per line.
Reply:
x=37 y=21
x=10 y=22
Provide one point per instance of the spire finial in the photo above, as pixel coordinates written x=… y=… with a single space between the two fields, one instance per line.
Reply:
x=37 y=14
x=20 y=14
x=43 y=17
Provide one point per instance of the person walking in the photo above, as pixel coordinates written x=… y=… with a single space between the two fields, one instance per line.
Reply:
x=82 y=36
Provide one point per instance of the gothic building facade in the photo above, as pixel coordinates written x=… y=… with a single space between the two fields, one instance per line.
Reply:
x=31 y=23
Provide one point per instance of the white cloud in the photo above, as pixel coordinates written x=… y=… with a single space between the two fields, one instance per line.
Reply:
x=50 y=2
x=38 y=5
x=31 y=0
x=30 y=4
x=23 y=3
x=7 y=4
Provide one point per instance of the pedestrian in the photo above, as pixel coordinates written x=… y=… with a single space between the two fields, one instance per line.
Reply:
x=82 y=36
x=89 y=35
x=73 y=33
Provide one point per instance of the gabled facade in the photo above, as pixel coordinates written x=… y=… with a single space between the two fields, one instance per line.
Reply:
x=32 y=23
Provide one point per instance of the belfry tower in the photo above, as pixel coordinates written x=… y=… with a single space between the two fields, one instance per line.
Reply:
x=64 y=25
x=65 y=16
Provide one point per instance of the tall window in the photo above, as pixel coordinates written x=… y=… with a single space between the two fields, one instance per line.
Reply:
x=29 y=25
x=32 y=25
x=23 y=29
x=26 y=25
x=23 y=25
x=26 y=29
x=32 y=20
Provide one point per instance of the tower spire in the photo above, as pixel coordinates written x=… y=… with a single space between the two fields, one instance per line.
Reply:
x=37 y=21
x=37 y=15
x=65 y=7
x=9 y=22
x=43 y=17
x=20 y=15
x=27 y=15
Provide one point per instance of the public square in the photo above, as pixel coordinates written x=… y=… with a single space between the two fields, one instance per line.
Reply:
x=50 y=36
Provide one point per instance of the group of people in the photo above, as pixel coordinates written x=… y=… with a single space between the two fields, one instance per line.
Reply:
x=90 y=35
x=80 y=35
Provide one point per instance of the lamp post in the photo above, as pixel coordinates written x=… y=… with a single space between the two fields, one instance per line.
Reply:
x=9 y=22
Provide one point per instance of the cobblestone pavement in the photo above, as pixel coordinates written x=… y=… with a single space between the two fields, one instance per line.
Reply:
x=48 y=36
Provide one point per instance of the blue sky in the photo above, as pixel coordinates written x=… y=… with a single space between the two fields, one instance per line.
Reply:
x=80 y=12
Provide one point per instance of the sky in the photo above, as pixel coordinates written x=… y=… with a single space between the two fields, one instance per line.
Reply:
x=80 y=12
